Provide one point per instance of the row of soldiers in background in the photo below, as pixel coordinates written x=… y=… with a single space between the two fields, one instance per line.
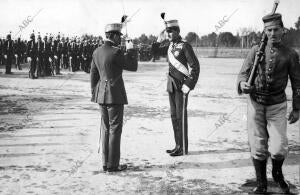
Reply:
x=48 y=55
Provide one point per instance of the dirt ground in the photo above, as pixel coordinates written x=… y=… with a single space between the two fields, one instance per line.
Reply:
x=49 y=133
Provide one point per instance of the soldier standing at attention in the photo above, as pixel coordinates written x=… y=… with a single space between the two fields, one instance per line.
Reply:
x=64 y=56
x=107 y=86
x=57 y=51
x=183 y=75
x=267 y=106
x=40 y=64
x=31 y=56
x=45 y=56
x=1 y=51
x=18 y=53
x=8 y=50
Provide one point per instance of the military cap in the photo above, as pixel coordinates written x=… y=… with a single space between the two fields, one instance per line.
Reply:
x=32 y=36
x=114 y=27
x=172 y=24
x=272 y=19
x=9 y=35
x=39 y=35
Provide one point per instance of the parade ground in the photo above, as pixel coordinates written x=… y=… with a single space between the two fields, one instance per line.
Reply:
x=49 y=135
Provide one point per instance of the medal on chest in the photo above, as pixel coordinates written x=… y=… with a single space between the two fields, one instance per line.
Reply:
x=176 y=53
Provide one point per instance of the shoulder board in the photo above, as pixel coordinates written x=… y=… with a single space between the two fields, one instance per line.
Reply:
x=183 y=40
x=180 y=45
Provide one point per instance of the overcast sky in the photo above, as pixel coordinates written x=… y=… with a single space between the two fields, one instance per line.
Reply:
x=75 y=17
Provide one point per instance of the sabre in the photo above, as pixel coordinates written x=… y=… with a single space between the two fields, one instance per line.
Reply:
x=70 y=64
x=260 y=53
x=17 y=61
x=183 y=124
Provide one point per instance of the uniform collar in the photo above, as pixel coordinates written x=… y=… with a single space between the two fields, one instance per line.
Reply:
x=274 y=45
x=177 y=40
x=110 y=42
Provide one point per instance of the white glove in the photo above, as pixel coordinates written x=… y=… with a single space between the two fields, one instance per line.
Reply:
x=50 y=60
x=28 y=59
x=55 y=57
x=162 y=36
x=5 y=56
x=185 y=89
x=129 y=44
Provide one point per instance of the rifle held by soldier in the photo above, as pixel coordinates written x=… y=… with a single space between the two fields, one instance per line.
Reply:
x=259 y=57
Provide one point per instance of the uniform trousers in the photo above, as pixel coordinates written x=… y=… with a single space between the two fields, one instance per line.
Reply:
x=176 y=108
x=32 y=69
x=267 y=130
x=111 y=130
x=8 y=63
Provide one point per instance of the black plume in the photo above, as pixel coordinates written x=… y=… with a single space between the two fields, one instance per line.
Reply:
x=162 y=15
x=123 y=18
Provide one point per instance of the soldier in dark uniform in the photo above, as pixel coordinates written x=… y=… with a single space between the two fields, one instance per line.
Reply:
x=47 y=56
x=32 y=55
x=108 y=90
x=8 y=51
x=85 y=57
x=90 y=51
x=1 y=51
x=18 y=53
x=24 y=49
x=57 y=50
x=73 y=55
x=267 y=106
x=51 y=51
x=183 y=75
x=79 y=54
x=64 y=56
x=40 y=51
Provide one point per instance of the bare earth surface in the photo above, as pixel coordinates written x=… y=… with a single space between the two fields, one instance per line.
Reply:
x=49 y=133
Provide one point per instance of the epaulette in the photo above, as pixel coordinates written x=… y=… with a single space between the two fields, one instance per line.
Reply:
x=180 y=44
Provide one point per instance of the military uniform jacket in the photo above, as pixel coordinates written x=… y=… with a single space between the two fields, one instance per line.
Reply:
x=40 y=47
x=108 y=63
x=184 y=66
x=18 y=47
x=1 y=47
x=31 y=49
x=57 y=48
x=65 y=48
x=271 y=77
x=8 y=48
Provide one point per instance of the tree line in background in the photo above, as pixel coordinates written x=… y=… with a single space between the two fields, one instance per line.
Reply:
x=245 y=39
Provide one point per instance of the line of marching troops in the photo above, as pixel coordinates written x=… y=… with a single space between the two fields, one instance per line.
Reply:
x=48 y=55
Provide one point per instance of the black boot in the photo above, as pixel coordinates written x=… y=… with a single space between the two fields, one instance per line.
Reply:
x=175 y=130
x=278 y=176
x=171 y=151
x=117 y=169
x=261 y=176
x=177 y=152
